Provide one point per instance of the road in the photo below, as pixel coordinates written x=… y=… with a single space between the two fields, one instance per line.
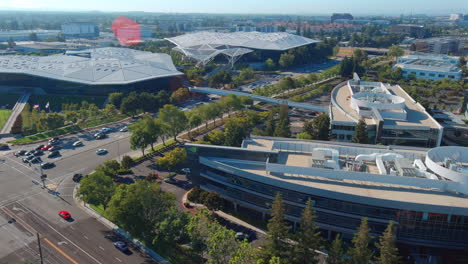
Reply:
x=35 y=209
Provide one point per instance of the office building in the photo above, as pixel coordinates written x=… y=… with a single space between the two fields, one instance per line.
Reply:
x=408 y=30
x=80 y=30
x=441 y=45
x=430 y=66
x=25 y=35
x=423 y=190
x=94 y=71
x=391 y=115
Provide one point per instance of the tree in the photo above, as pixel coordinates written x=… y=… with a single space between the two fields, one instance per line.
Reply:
x=360 y=253
x=308 y=238
x=97 y=188
x=181 y=95
x=172 y=159
x=283 y=128
x=360 y=133
x=395 y=51
x=140 y=208
x=277 y=245
x=139 y=138
x=236 y=129
x=245 y=254
x=336 y=252
x=174 y=118
x=221 y=244
x=304 y=135
x=170 y=230
x=319 y=128
x=270 y=64
x=54 y=121
x=219 y=79
x=116 y=99
x=130 y=104
x=126 y=162
x=109 y=110
x=386 y=245
x=286 y=60
x=346 y=67
x=194 y=120
x=110 y=167
x=246 y=101
x=215 y=137
x=213 y=201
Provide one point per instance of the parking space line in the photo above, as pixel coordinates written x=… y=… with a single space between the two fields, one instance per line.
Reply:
x=101 y=248
x=60 y=251
x=86 y=237
x=118 y=259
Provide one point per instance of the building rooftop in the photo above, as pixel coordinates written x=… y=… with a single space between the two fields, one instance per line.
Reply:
x=435 y=177
x=101 y=66
x=355 y=100
x=429 y=62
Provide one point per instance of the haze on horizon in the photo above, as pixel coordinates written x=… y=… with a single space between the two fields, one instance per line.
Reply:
x=363 y=7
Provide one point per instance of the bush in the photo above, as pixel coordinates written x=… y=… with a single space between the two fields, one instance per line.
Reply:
x=126 y=162
x=124 y=171
x=212 y=200
x=152 y=177
x=194 y=195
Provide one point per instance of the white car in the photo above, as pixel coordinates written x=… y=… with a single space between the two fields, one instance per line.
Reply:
x=186 y=170
x=101 y=151
x=124 y=129
x=105 y=130
x=77 y=143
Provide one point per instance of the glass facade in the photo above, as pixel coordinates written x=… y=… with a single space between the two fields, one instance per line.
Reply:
x=416 y=138
x=425 y=227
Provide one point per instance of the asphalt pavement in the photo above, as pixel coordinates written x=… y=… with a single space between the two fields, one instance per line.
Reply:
x=35 y=209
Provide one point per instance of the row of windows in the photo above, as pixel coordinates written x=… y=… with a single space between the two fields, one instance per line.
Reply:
x=433 y=75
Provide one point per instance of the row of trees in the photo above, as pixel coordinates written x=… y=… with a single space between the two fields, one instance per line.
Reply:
x=133 y=103
x=302 y=246
x=277 y=127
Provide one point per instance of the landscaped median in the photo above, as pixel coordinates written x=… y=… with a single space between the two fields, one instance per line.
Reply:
x=66 y=130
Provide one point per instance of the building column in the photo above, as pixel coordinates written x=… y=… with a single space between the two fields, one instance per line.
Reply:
x=329 y=235
x=263 y=217
x=235 y=207
x=295 y=226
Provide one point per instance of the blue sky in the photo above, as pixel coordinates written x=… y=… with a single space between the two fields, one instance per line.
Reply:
x=251 y=6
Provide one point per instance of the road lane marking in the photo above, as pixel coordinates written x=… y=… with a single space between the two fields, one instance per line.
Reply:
x=85 y=237
x=118 y=259
x=19 y=220
x=59 y=250
x=72 y=227
x=63 y=236
x=101 y=248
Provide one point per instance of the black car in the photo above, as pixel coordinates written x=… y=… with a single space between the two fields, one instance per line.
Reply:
x=54 y=142
x=28 y=158
x=20 y=153
x=35 y=160
x=47 y=165
x=54 y=148
x=101 y=136
x=4 y=147
x=38 y=152
x=77 y=177
x=53 y=154
x=39 y=147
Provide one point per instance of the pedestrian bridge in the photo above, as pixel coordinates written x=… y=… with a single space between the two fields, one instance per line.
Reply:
x=259 y=98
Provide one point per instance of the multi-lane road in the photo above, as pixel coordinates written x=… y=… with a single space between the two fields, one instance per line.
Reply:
x=35 y=209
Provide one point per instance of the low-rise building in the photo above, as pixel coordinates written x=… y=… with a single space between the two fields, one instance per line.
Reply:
x=391 y=115
x=441 y=45
x=408 y=30
x=433 y=67
x=80 y=30
x=424 y=191
x=25 y=35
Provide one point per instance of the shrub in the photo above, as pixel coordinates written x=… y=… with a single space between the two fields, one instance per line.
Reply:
x=124 y=171
x=194 y=195
x=152 y=177
x=126 y=162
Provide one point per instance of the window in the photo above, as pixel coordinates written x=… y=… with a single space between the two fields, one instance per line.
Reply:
x=451 y=77
x=432 y=74
x=422 y=74
x=441 y=75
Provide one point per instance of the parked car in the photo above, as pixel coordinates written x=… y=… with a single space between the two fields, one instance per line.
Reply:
x=39 y=147
x=53 y=154
x=46 y=147
x=77 y=143
x=186 y=170
x=77 y=177
x=242 y=236
x=20 y=153
x=122 y=246
x=65 y=215
x=124 y=129
x=4 y=147
x=38 y=152
x=105 y=130
x=54 y=148
x=28 y=158
x=101 y=136
x=35 y=160
x=54 y=141
x=47 y=165
x=101 y=151
x=29 y=153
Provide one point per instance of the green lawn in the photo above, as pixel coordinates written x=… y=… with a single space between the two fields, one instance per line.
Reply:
x=98 y=208
x=4 y=114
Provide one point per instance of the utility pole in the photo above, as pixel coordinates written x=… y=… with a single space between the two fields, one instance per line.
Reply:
x=40 y=248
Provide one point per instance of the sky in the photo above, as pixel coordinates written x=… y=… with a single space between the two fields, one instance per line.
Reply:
x=394 y=7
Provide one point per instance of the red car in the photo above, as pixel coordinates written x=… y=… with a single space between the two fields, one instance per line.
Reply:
x=65 y=215
x=46 y=147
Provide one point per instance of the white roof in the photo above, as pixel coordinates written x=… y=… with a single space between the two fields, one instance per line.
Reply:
x=103 y=66
x=251 y=40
